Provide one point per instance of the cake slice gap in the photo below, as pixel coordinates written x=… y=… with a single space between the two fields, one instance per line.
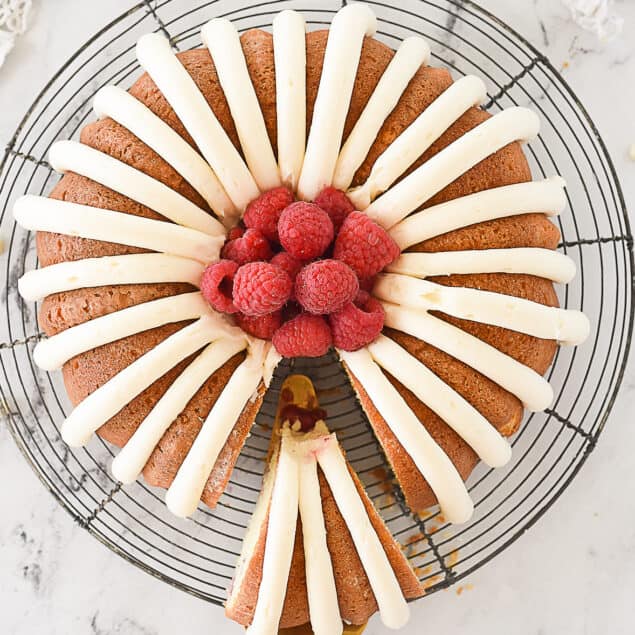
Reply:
x=354 y=568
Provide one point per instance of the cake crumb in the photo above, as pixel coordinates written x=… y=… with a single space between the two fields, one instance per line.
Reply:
x=631 y=152
x=464 y=587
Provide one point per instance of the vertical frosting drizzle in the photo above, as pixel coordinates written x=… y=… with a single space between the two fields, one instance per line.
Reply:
x=341 y=59
x=289 y=49
x=221 y=38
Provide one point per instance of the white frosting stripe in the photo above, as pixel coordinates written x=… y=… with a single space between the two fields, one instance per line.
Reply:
x=545 y=263
x=413 y=52
x=283 y=518
x=341 y=59
x=320 y=579
x=114 y=102
x=520 y=380
x=431 y=461
x=393 y=608
x=99 y=272
x=513 y=124
x=565 y=325
x=55 y=351
x=547 y=197
x=185 y=492
x=463 y=94
x=272 y=359
x=117 y=392
x=130 y=461
x=156 y=57
x=289 y=49
x=38 y=213
x=458 y=413
x=120 y=177
x=221 y=38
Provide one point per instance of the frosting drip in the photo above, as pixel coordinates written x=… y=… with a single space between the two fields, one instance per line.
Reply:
x=119 y=176
x=431 y=461
x=114 y=102
x=411 y=54
x=221 y=38
x=156 y=57
x=513 y=124
x=419 y=136
x=341 y=58
x=108 y=270
x=289 y=49
x=517 y=314
x=38 y=213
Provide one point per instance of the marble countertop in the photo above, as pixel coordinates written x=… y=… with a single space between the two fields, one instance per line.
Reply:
x=572 y=573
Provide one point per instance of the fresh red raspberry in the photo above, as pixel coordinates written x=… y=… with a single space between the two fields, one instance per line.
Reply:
x=236 y=232
x=250 y=247
x=263 y=213
x=263 y=326
x=290 y=310
x=367 y=284
x=325 y=286
x=336 y=204
x=217 y=283
x=260 y=288
x=364 y=246
x=305 y=230
x=358 y=323
x=290 y=264
x=304 y=336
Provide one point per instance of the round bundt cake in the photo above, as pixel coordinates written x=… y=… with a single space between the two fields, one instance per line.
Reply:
x=169 y=248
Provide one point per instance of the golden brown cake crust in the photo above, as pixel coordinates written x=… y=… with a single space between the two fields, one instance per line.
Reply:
x=506 y=166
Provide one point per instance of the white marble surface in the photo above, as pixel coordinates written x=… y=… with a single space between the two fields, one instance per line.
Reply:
x=573 y=573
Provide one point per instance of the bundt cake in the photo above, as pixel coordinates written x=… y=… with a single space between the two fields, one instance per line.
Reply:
x=272 y=195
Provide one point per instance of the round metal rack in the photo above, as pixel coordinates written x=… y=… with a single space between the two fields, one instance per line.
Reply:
x=199 y=555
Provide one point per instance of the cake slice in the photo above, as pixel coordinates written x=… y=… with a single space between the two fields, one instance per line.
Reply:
x=354 y=567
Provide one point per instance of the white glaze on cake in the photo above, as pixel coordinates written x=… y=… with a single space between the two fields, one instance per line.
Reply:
x=418 y=137
x=412 y=53
x=114 y=102
x=517 y=314
x=431 y=461
x=185 y=492
x=393 y=609
x=289 y=50
x=532 y=389
x=221 y=38
x=53 y=352
x=182 y=93
x=534 y=261
x=341 y=58
x=118 y=176
x=455 y=410
x=513 y=124
x=545 y=197
x=109 y=270
x=39 y=213
x=111 y=397
x=131 y=459
x=320 y=580
x=283 y=515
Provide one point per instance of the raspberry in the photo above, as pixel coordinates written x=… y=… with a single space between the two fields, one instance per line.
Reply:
x=263 y=326
x=260 y=288
x=367 y=284
x=336 y=204
x=217 y=283
x=263 y=213
x=325 y=286
x=364 y=246
x=290 y=310
x=304 y=336
x=305 y=230
x=250 y=247
x=290 y=264
x=236 y=232
x=358 y=323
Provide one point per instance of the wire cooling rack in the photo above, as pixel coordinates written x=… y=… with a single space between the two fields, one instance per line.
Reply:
x=199 y=555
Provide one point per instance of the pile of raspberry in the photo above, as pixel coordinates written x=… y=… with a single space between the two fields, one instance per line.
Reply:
x=300 y=273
